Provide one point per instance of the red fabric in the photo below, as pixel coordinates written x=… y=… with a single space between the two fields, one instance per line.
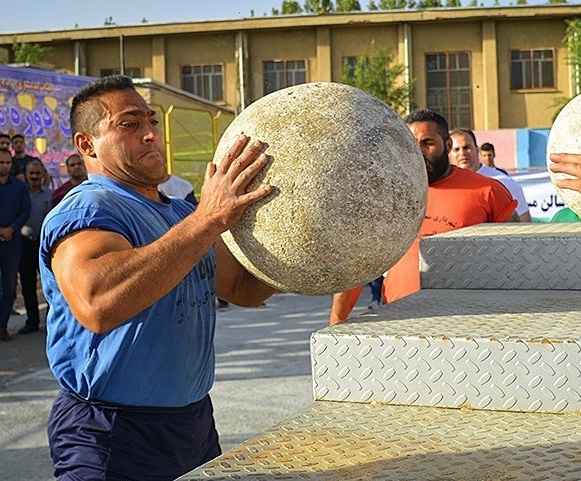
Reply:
x=461 y=199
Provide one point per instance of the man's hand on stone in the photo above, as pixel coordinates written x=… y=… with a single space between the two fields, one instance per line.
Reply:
x=567 y=164
x=223 y=196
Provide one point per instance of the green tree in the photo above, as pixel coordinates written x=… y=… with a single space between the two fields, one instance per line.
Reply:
x=391 y=4
x=290 y=7
x=572 y=39
x=454 y=3
x=274 y=12
x=31 y=52
x=375 y=72
x=429 y=4
x=109 y=21
x=556 y=2
x=318 y=7
x=347 y=6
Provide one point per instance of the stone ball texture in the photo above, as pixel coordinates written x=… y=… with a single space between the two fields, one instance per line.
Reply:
x=565 y=138
x=350 y=189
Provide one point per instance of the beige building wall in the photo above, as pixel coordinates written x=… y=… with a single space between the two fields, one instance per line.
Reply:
x=203 y=49
x=354 y=41
x=532 y=108
x=284 y=44
x=487 y=34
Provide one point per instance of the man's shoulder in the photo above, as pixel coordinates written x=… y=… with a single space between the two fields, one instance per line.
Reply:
x=63 y=188
x=463 y=177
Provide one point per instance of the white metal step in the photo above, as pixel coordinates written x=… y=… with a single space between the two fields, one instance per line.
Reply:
x=494 y=350
x=349 y=441
x=503 y=256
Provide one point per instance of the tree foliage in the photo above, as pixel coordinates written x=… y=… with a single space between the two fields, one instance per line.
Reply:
x=391 y=4
x=31 y=52
x=375 y=73
x=573 y=41
x=318 y=7
x=347 y=6
x=290 y=7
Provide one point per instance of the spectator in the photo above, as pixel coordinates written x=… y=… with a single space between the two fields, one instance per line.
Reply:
x=20 y=158
x=78 y=173
x=487 y=155
x=14 y=211
x=464 y=154
x=40 y=204
x=177 y=187
x=475 y=199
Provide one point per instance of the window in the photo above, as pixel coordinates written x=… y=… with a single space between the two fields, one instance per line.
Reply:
x=531 y=69
x=130 y=72
x=349 y=64
x=205 y=81
x=448 y=90
x=279 y=74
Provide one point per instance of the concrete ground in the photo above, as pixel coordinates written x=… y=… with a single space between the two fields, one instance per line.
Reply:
x=263 y=375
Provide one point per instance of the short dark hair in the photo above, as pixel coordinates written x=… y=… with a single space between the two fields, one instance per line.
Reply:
x=488 y=147
x=33 y=162
x=70 y=157
x=5 y=136
x=464 y=131
x=85 y=111
x=17 y=136
x=426 y=115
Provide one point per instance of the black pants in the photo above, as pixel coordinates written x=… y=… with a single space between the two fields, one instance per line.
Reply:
x=91 y=440
x=28 y=270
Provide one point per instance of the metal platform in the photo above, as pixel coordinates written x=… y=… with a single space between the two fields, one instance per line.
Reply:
x=503 y=256
x=497 y=350
x=348 y=441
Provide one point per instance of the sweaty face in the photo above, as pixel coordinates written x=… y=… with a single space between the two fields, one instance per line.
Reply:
x=128 y=146
x=433 y=147
x=464 y=152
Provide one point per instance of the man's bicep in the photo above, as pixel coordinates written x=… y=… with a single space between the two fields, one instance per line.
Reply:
x=72 y=256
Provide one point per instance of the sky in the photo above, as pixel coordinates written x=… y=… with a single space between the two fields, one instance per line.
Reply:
x=35 y=15
x=40 y=15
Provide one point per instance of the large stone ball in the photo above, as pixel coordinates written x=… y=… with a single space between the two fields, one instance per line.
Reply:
x=350 y=189
x=565 y=138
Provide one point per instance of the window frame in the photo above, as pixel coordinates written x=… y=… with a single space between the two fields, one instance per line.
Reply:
x=450 y=117
x=532 y=88
x=117 y=71
x=284 y=73
x=205 y=85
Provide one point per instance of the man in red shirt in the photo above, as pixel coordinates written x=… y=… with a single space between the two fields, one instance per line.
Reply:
x=456 y=198
x=78 y=172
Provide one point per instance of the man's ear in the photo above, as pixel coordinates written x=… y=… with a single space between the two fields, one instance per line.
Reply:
x=449 y=144
x=84 y=144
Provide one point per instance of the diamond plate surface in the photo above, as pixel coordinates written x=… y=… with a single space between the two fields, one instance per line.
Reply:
x=503 y=256
x=493 y=350
x=347 y=441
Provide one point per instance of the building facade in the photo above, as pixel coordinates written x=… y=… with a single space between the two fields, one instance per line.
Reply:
x=485 y=68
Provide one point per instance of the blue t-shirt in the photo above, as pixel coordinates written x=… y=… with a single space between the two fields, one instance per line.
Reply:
x=164 y=356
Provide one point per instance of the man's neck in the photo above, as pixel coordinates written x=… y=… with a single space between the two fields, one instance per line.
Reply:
x=35 y=190
x=4 y=178
x=20 y=155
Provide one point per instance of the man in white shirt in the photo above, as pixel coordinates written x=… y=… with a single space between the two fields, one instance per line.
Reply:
x=464 y=154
